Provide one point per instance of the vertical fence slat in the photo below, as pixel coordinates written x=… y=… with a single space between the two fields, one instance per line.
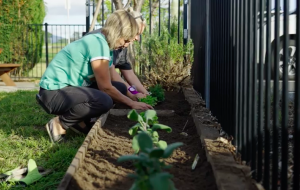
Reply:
x=275 y=132
x=241 y=77
x=254 y=94
x=207 y=53
x=250 y=80
x=245 y=89
x=267 y=99
x=284 y=124
x=238 y=81
x=178 y=24
x=102 y=6
x=296 y=169
x=46 y=44
x=159 y=24
x=260 y=93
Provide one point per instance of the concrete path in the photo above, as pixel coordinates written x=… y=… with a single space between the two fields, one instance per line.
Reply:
x=20 y=86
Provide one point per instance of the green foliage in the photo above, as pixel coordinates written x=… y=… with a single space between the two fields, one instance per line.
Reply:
x=148 y=123
x=149 y=165
x=21 y=35
x=169 y=62
x=158 y=92
x=22 y=137
x=149 y=100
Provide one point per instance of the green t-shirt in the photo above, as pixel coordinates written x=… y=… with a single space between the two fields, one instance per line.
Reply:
x=72 y=65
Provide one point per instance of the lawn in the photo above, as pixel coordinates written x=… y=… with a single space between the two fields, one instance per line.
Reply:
x=23 y=136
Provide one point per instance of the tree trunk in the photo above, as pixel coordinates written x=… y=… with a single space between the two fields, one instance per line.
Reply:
x=155 y=4
x=118 y=4
x=138 y=5
x=174 y=9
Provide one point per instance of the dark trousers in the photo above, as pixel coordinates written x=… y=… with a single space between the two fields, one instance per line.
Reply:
x=76 y=104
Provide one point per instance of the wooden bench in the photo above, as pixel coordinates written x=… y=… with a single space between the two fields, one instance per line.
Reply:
x=4 y=73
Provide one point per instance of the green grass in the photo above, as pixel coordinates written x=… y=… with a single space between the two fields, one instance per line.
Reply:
x=23 y=136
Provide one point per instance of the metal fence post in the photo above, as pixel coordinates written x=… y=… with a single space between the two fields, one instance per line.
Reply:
x=87 y=20
x=159 y=18
x=185 y=30
x=102 y=13
x=46 y=43
x=207 y=56
x=169 y=21
x=178 y=27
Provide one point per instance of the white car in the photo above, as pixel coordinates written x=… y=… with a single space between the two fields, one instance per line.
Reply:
x=292 y=42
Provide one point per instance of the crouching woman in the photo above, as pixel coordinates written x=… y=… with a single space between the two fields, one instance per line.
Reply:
x=77 y=86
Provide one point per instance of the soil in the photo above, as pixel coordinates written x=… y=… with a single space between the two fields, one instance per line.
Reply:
x=100 y=169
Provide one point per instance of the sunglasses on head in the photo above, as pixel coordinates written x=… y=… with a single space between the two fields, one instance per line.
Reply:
x=141 y=17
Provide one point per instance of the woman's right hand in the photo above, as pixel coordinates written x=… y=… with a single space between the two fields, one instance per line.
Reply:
x=140 y=106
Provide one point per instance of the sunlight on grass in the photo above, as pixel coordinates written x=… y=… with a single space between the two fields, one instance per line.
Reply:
x=23 y=136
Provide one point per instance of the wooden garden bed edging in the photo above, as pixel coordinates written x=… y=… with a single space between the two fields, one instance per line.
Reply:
x=80 y=155
x=229 y=174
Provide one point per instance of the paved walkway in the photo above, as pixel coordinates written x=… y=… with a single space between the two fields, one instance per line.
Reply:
x=20 y=86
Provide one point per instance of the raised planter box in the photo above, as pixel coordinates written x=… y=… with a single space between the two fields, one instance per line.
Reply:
x=95 y=166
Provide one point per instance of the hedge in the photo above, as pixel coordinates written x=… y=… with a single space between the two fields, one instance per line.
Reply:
x=21 y=35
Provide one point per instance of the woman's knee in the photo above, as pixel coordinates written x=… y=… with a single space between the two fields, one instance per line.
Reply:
x=105 y=102
x=120 y=86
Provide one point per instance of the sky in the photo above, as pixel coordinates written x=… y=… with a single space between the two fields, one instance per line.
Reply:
x=57 y=14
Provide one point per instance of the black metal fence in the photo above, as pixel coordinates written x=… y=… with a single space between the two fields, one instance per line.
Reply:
x=246 y=68
x=39 y=43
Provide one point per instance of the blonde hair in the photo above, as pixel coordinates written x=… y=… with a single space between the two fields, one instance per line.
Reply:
x=135 y=14
x=120 y=24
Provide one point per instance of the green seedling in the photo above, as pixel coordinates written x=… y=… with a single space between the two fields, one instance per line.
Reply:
x=149 y=165
x=152 y=101
x=158 y=92
x=147 y=122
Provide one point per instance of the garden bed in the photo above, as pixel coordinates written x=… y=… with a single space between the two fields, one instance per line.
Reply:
x=95 y=165
x=100 y=169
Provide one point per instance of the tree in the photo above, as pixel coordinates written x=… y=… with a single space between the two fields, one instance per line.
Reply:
x=21 y=31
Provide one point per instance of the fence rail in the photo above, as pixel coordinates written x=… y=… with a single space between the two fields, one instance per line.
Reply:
x=245 y=64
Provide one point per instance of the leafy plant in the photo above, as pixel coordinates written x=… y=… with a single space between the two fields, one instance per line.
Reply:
x=162 y=60
x=149 y=100
x=147 y=122
x=149 y=174
x=158 y=92
x=21 y=34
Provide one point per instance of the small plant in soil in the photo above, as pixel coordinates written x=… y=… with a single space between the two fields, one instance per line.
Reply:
x=147 y=122
x=152 y=101
x=149 y=174
x=158 y=92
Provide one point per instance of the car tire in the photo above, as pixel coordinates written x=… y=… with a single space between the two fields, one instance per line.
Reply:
x=292 y=60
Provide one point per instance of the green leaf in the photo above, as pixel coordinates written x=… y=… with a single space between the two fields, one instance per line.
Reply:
x=128 y=158
x=150 y=115
x=156 y=153
x=135 y=144
x=155 y=134
x=161 y=127
x=133 y=115
x=161 y=181
x=162 y=144
x=145 y=142
x=169 y=150
x=133 y=130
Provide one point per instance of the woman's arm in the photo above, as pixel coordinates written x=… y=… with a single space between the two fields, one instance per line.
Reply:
x=132 y=79
x=116 y=77
x=103 y=78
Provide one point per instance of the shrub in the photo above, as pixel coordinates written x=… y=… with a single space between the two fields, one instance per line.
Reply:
x=163 y=60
